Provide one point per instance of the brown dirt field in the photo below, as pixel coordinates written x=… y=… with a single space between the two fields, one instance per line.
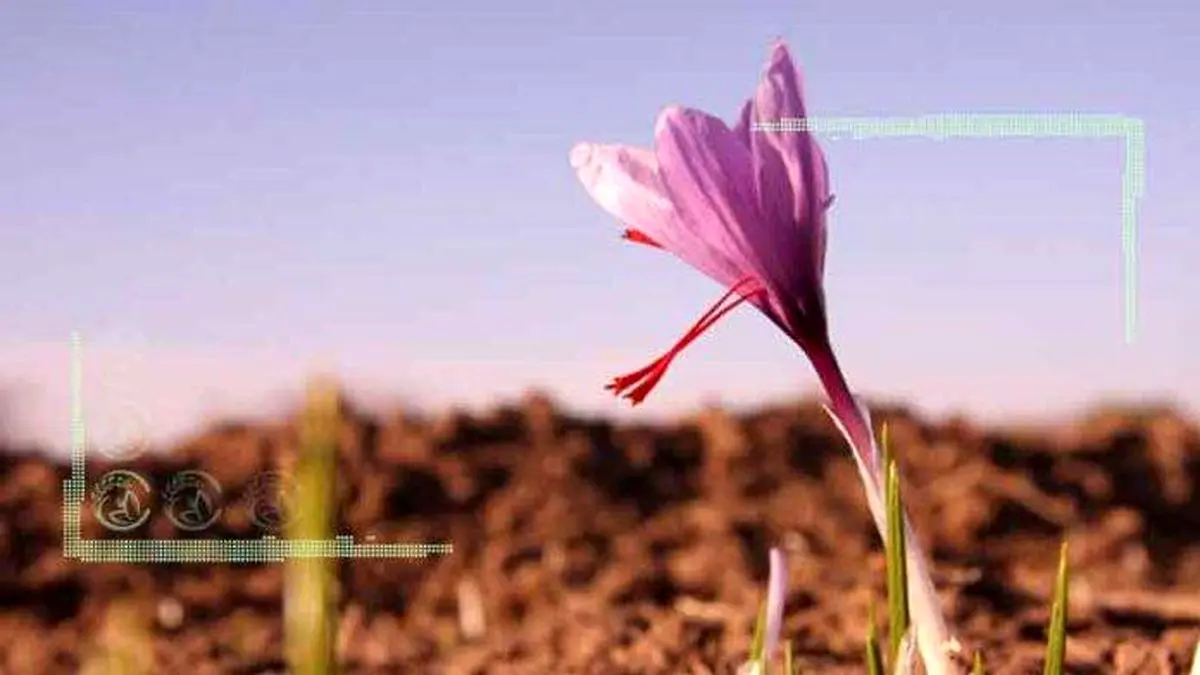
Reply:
x=596 y=548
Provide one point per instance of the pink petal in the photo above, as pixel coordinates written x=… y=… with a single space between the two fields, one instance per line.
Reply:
x=624 y=181
x=709 y=176
x=742 y=128
x=772 y=186
x=779 y=96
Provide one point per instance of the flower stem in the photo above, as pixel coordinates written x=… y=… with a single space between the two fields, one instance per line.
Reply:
x=842 y=403
x=933 y=638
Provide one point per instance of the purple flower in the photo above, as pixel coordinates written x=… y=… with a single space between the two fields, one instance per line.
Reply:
x=747 y=208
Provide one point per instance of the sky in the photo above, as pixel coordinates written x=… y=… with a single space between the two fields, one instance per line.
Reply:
x=224 y=198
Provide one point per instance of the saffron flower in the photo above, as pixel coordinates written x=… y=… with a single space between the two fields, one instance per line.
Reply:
x=747 y=208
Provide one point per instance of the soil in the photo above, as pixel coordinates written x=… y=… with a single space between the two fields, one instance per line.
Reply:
x=594 y=548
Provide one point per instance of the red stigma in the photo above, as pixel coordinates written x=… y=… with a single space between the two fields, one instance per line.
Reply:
x=645 y=379
x=639 y=237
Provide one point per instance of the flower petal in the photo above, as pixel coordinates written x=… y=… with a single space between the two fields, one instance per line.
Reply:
x=779 y=96
x=709 y=176
x=742 y=128
x=796 y=154
x=707 y=172
x=624 y=180
x=774 y=188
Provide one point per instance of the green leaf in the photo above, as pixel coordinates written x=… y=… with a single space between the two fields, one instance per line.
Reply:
x=896 y=557
x=874 y=658
x=1056 y=645
x=758 y=643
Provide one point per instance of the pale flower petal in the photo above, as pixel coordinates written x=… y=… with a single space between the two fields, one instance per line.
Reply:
x=624 y=181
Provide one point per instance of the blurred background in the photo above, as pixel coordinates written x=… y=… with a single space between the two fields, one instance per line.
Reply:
x=222 y=197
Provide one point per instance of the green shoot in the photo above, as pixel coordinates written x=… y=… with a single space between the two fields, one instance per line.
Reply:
x=1056 y=645
x=309 y=602
x=758 y=643
x=874 y=658
x=789 y=664
x=896 y=556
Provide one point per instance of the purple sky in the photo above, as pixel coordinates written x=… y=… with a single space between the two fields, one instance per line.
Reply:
x=224 y=196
